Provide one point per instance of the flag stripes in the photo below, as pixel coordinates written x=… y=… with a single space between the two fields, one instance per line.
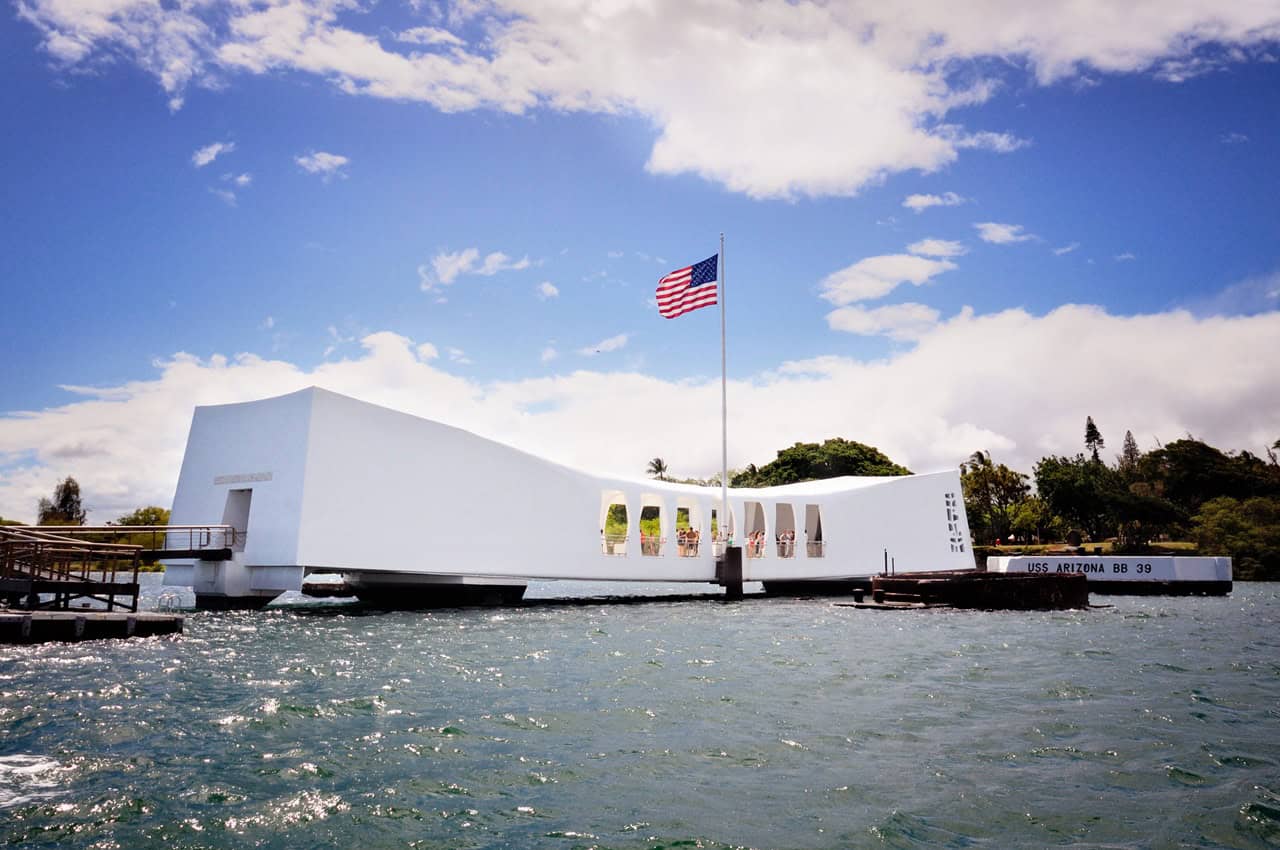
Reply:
x=687 y=289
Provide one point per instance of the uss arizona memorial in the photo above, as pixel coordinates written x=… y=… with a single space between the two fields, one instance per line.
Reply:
x=410 y=510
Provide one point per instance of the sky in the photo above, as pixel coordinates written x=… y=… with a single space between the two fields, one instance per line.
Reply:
x=948 y=227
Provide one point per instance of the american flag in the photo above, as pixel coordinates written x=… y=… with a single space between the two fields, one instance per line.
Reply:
x=688 y=288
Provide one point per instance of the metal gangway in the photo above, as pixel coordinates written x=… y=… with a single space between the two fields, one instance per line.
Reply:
x=54 y=566
x=156 y=542
x=46 y=571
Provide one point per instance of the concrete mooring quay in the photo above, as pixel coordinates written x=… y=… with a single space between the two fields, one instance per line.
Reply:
x=45 y=626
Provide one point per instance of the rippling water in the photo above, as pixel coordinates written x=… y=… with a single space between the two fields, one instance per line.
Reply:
x=770 y=723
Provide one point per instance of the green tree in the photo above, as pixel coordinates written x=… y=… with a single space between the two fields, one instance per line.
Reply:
x=1078 y=489
x=658 y=468
x=992 y=493
x=1190 y=472
x=1141 y=516
x=65 y=508
x=812 y=461
x=1248 y=531
x=1034 y=520
x=1093 y=439
x=615 y=521
x=650 y=525
x=150 y=515
x=1130 y=456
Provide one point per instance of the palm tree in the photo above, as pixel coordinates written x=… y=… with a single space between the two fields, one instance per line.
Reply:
x=658 y=468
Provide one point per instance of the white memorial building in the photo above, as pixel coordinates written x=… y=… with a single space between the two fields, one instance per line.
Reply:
x=413 y=512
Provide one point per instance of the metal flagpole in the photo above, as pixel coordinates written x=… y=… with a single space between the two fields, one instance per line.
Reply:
x=724 y=407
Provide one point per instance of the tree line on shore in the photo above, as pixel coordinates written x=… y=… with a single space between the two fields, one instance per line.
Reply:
x=1223 y=502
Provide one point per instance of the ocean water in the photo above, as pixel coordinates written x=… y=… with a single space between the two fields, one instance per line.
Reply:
x=1154 y=723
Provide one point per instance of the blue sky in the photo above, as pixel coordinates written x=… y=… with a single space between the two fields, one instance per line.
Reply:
x=353 y=156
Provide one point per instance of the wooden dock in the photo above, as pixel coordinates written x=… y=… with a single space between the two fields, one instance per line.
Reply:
x=40 y=570
x=54 y=586
x=74 y=567
x=45 y=626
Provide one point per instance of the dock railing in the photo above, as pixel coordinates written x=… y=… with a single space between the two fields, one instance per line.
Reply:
x=43 y=570
x=156 y=541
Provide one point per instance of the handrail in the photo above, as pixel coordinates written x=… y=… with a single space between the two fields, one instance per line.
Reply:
x=29 y=556
x=123 y=529
x=197 y=536
x=24 y=534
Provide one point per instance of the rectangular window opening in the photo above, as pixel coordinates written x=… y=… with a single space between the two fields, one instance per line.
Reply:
x=814 y=546
x=613 y=524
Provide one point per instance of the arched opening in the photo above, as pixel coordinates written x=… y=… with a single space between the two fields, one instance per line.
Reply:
x=784 y=530
x=613 y=522
x=688 y=527
x=652 y=525
x=756 y=530
x=813 y=543
x=721 y=534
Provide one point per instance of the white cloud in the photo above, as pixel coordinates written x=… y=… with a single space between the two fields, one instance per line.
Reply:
x=426 y=351
x=1126 y=256
x=966 y=384
x=337 y=339
x=426 y=282
x=1233 y=138
x=327 y=165
x=987 y=141
x=209 y=153
x=448 y=266
x=268 y=323
x=239 y=181
x=547 y=289
x=604 y=346
x=1001 y=234
x=897 y=321
x=1065 y=249
x=429 y=36
x=900 y=68
x=457 y=355
x=500 y=262
x=1246 y=298
x=1182 y=68
x=874 y=277
x=549 y=353
x=937 y=248
x=920 y=203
